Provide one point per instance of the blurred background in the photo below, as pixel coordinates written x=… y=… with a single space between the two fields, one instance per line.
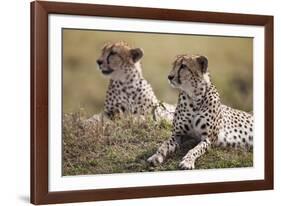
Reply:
x=230 y=66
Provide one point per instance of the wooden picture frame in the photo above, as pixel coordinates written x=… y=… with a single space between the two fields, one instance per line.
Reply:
x=40 y=107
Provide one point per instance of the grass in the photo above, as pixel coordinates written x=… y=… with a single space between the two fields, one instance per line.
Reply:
x=123 y=145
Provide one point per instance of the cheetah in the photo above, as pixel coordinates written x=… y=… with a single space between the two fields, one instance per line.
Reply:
x=200 y=119
x=128 y=91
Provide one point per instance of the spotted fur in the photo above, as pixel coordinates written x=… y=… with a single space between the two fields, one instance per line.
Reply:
x=200 y=119
x=128 y=91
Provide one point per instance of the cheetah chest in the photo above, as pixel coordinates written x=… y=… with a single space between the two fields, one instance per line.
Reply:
x=134 y=98
x=192 y=122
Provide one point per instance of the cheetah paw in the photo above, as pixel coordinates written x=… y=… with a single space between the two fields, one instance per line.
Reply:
x=187 y=164
x=155 y=159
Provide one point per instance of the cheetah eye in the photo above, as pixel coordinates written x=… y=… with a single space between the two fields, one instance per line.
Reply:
x=109 y=55
x=112 y=53
x=182 y=66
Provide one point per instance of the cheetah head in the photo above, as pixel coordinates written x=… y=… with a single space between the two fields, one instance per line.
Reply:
x=119 y=59
x=189 y=73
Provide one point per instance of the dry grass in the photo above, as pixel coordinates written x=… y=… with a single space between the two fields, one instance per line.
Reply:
x=124 y=145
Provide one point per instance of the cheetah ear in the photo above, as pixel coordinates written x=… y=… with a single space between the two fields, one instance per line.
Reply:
x=203 y=63
x=136 y=54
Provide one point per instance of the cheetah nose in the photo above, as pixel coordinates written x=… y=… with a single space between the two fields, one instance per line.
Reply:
x=99 y=62
x=170 y=77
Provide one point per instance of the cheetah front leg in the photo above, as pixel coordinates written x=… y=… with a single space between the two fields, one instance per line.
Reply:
x=188 y=161
x=167 y=147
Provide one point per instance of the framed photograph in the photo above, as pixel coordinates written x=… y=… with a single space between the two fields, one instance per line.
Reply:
x=131 y=102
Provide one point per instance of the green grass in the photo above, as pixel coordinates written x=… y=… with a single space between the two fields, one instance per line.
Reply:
x=123 y=145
